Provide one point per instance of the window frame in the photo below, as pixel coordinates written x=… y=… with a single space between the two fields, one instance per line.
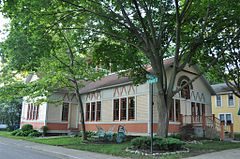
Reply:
x=116 y=112
x=32 y=111
x=119 y=99
x=233 y=101
x=65 y=114
x=216 y=100
x=98 y=111
x=225 y=117
x=87 y=111
x=131 y=109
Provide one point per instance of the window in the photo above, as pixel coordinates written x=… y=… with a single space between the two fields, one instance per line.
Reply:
x=65 y=108
x=87 y=111
x=174 y=111
x=32 y=112
x=218 y=100
x=222 y=118
x=98 y=115
x=131 y=108
x=116 y=109
x=226 y=118
x=93 y=111
x=185 y=92
x=230 y=100
x=124 y=108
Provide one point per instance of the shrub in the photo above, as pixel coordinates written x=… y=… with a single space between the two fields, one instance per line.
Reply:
x=187 y=132
x=44 y=130
x=88 y=133
x=27 y=127
x=176 y=136
x=34 y=134
x=15 y=132
x=166 y=144
x=142 y=142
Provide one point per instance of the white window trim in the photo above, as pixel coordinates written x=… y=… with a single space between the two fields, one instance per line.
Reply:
x=216 y=101
x=119 y=99
x=90 y=111
x=233 y=100
x=225 y=117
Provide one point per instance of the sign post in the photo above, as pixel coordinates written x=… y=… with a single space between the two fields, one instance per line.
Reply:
x=151 y=80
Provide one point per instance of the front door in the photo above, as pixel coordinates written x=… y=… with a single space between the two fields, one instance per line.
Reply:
x=73 y=116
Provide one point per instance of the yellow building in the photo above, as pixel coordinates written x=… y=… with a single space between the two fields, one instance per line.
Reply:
x=226 y=105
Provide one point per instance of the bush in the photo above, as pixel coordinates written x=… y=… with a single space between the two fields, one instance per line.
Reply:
x=88 y=133
x=44 y=130
x=176 y=136
x=15 y=132
x=166 y=144
x=187 y=132
x=27 y=127
x=30 y=133
x=34 y=134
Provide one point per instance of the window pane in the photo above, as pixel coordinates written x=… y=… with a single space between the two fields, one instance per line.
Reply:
x=123 y=109
x=65 y=111
x=116 y=109
x=230 y=99
x=131 y=108
x=87 y=111
x=219 y=102
x=229 y=118
x=92 y=111
x=185 y=93
x=98 y=116
x=221 y=117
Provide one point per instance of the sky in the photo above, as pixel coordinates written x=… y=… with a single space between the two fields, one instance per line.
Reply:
x=3 y=23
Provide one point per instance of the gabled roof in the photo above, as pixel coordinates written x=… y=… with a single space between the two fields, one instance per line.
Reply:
x=115 y=79
x=106 y=81
x=221 y=88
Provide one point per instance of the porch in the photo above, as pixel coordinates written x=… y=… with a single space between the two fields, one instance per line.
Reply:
x=208 y=126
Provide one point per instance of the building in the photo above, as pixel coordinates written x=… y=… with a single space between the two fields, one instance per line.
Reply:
x=113 y=101
x=225 y=106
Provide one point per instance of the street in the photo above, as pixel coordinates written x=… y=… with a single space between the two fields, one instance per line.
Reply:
x=19 y=149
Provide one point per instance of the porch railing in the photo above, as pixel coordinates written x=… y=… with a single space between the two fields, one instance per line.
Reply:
x=208 y=121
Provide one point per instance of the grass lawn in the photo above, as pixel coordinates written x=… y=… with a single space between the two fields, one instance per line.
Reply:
x=119 y=149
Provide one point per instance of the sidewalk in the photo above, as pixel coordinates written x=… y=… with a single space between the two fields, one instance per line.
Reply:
x=226 y=154
x=58 y=151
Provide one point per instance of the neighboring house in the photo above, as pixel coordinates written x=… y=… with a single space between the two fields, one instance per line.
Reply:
x=113 y=101
x=225 y=106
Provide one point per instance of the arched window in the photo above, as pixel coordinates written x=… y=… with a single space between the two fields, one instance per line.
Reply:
x=185 y=92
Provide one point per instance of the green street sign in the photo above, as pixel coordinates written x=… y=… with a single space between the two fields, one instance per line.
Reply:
x=151 y=78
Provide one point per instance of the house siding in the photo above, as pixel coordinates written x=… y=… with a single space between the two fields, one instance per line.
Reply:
x=226 y=109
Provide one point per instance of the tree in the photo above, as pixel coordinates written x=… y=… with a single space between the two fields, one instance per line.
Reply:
x=10 y=113
x=154 y=28
x=57 y=57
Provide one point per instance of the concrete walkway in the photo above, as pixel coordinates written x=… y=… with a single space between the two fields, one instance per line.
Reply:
x=59 y=152
x=226 y=154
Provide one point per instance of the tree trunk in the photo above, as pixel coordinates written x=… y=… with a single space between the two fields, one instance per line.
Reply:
x=162 y=107
x=80 y=104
